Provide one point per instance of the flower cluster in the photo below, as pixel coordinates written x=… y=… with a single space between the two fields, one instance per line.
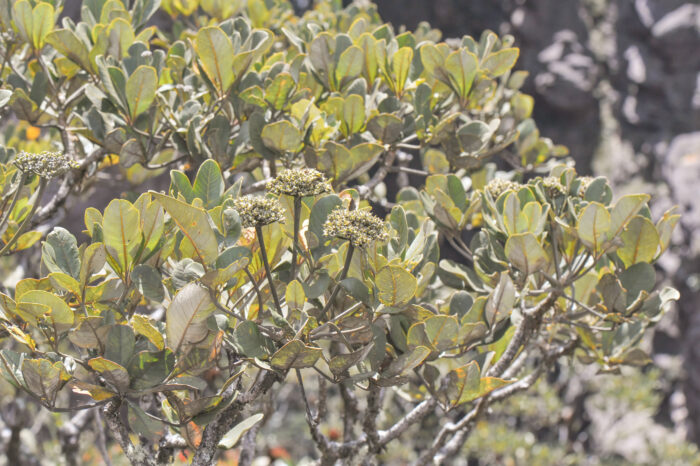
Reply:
x=584 y=183
x=299 y=182
x=553 y=187
x=498 y=186
x=258 y=211
x=44 y=164
x=360 y=227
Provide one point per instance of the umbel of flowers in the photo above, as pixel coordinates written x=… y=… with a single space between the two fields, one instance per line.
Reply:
x=258 y=211
x=44 y=164
x=299 y=182
x=360 y=227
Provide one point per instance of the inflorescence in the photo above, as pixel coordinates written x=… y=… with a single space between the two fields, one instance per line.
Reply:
x=584 y=183
x=299 y=182
x=258 y=211
x=45 y=164
x=553 y=187
x=360 y=227
x=498 y=186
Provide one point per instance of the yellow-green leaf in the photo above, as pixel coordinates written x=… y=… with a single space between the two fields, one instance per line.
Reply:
x=194 y=224
x=396 y=285
x=141 y=90
x=216 y=54
x=641 y=241
x=593 y=225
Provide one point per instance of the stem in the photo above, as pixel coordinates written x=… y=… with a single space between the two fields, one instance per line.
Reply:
x=15 y=198
x=295 y=245
x=256 y=288
x=343 y=274
x=268 y=272
x=27 y=219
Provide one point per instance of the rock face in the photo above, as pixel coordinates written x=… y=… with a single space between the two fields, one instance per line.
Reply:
x=618 y=82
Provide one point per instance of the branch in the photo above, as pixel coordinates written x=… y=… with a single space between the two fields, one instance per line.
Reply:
x=69 y=435
x=226 y=419
x=414 y=416
x=523 y=333
x=136 y=454
x=369 y=424
x=72 y=178
x=379 y=175
x=455 y=444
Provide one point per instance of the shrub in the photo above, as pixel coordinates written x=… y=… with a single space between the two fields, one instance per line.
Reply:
x=294 y=264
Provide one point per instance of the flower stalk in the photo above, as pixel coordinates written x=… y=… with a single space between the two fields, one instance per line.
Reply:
x=268 y=271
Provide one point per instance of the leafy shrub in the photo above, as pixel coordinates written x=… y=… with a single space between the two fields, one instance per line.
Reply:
x=184 y=310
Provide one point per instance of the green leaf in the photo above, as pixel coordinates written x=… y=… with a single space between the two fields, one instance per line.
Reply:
x=42 y=23
x=148 y=281
x=282 y=136
x=209 y=183
x=461 y=67
x=385 y=127
x=194 y=224
x=277 y=93
x=93 y=261
x=353 y=114
x=38 y=303
x=473 y=136
x=143 y=424
x=68 y=44
x=431 y=58
x=295 y=355
x=342 y=362
x=525 y=253
x=641 y=241
x=60 y=252
x=396 y=285
x=22 y=16
x=294 y=295
x=665 y=227
x=186 y=316
x=251 y=341
x=593 y=225
x=501 y=301
x=216 y=53
x=141 y=90
x=349 y=65
x=43 y=378
x=623 y=211
x=439 y=332
x=408 y=361
x=120 y=227
x=500 y=62
x=400 y=67
x=119 y=346
x=231 y=438
x=180 y=184
x=465 y=384
x=112 y=372
x=90 y=333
